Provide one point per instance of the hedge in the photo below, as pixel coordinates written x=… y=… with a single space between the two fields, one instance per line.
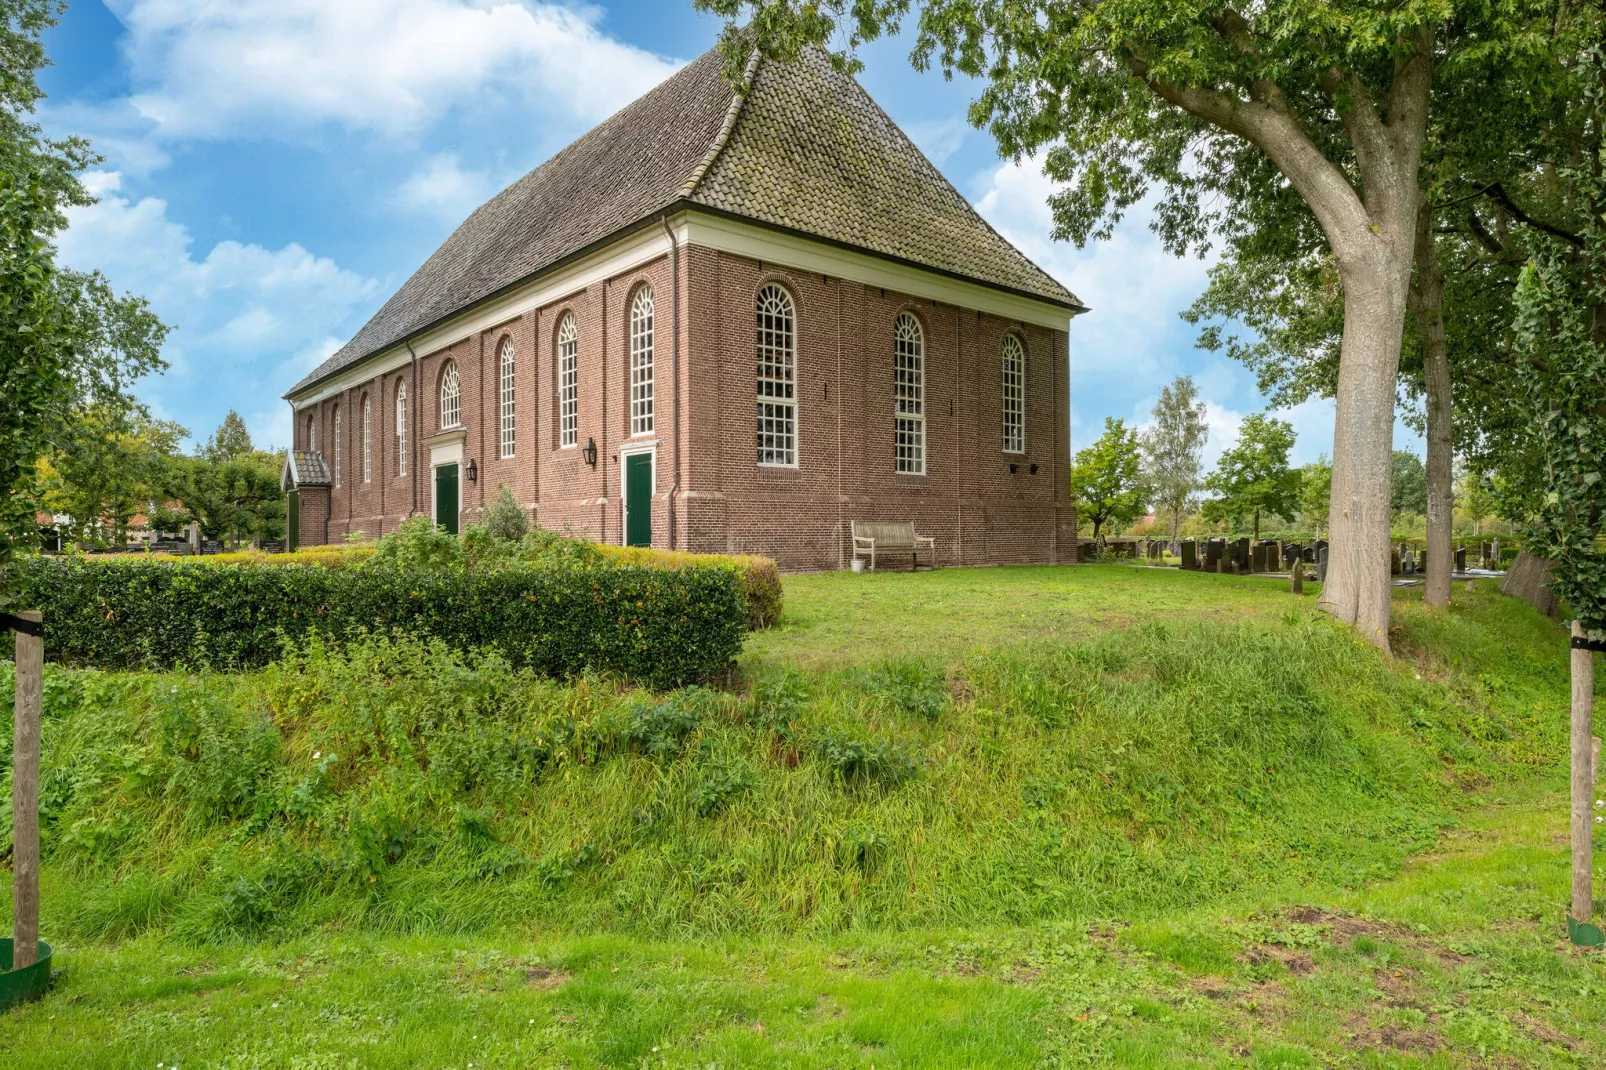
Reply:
x=660 y=627
x=760 y=577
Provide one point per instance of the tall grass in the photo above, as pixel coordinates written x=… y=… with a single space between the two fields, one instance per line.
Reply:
x=403 y=786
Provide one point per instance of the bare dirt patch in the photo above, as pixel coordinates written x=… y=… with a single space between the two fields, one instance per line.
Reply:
x=545 y=978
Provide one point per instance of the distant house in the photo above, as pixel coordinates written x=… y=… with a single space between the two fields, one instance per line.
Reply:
x=714 y=323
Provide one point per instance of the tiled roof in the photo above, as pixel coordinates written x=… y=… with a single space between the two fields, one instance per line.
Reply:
x=807 y=149
x=811 y=151
x=308 y=468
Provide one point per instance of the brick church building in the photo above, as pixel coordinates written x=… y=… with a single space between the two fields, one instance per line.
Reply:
x=716 y=322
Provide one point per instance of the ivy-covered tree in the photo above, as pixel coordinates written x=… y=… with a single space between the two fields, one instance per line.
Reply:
x=1304 y=114
x=1107 y=478
x=1253 y=478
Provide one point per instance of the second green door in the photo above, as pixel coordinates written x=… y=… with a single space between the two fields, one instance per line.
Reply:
x=638 y=499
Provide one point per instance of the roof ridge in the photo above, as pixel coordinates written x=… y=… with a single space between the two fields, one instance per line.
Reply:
x=738 y=98
x=963 y=200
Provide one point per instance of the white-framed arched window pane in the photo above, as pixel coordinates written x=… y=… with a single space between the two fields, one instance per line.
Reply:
x=641 y=371
x=568 y=381
x=312 y=433
x=451 y=397
x=337 y=445
x=1014 y=393
x=776 y=351
x=367 y=439
x=909 y=395
x=505 y=396
x=401 y=429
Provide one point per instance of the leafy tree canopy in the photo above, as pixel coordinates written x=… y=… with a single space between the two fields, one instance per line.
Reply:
x=1253 y=476
x=1172 y=447
x=1408 y=489
x=1107 y=478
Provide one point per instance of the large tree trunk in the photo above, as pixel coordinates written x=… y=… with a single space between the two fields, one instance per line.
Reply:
x=1436 y=371
x=1357 y=587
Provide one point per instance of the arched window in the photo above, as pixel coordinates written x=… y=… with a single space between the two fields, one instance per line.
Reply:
x=1014 y=392
x=568 y=381
x=909 y=395
x=641 y=375
x=505 y=396
x=312 y=433
x=401 y=428
x=451 y=397
x=337 y=445
x=367 y=439
x=777 y=376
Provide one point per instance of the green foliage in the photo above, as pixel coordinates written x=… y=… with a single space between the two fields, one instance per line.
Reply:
x=1172 y=446
x=657 y=626
x=407 y=785
x=1107 y=478
x=505 y=517
x=1408 y=485
x=1253 y=478
x=760 y=576
x=229 y=441
x=1316 y=493
x=106 y=469
x=234 y=496
x=67 y=342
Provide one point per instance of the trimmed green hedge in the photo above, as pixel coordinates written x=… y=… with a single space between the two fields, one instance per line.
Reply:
x=661 y=627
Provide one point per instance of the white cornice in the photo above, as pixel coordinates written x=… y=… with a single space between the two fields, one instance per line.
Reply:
x=693 y=227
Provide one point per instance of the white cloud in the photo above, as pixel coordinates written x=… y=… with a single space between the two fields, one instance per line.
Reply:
x=442 y=188
x=1133 y=286
x=939 y=138
x=207 y=69
x=248 y=320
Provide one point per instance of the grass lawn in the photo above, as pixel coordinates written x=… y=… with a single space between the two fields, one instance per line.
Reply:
x=839 y=618
x=1014 y=817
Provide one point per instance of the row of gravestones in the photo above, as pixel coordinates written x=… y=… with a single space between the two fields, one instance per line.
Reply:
x=1405 y=561
x=1245 y=556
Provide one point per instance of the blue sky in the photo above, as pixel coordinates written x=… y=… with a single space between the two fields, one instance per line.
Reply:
x=276 y=168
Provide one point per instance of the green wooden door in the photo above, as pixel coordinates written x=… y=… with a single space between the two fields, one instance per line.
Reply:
x=446 y=497
x=292 y=520
x=638 y=499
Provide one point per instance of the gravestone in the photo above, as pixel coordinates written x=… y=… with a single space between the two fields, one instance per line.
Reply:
x=1213 y=555
x=1190 y=554
x=1321 y=563
x=1396 y=566
x=1240 y=556
x=1461 y=559
x=272 y=546
x=1296 y=582
x=211 y=546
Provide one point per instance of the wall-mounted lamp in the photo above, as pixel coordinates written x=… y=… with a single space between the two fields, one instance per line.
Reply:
x=473 y=471
x=1033 y=469
x=590 y=452
x=1013 y=468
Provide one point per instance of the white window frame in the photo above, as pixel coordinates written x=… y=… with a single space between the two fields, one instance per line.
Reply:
x=775 y=360
x=506 y=383
x=1012 y=393
x=336 y=433
x=568 y=369
x=908 y=396
x=312 y=433
x=641 y=362
x=401 y=428
x=451 y=397
x=367 y=438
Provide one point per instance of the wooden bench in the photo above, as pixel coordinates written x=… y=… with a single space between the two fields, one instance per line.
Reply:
x=871 y=539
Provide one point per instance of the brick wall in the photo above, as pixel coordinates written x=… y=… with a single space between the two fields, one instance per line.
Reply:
x=979 y=510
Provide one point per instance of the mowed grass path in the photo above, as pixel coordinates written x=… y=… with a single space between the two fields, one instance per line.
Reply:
x=839 y=618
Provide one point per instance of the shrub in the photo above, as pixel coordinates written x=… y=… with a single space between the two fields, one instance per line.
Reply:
x=504 y=517
x=661 y=627
x=863 y=762
x=760 y=576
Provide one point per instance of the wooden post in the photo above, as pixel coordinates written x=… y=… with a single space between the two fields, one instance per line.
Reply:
x=1583 y=824
x=25 y=793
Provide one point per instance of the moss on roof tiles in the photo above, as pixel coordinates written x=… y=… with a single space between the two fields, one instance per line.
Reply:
x=807 y=150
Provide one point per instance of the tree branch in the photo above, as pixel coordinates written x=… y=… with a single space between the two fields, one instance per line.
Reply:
x=1498 y=194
